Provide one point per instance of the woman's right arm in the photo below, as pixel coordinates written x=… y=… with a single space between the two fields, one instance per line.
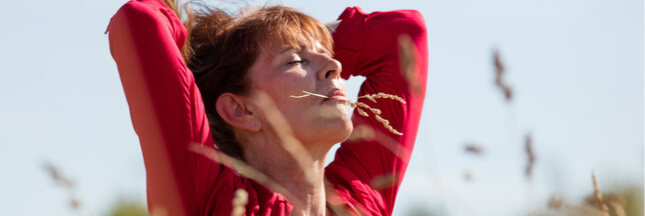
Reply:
x=165 y=104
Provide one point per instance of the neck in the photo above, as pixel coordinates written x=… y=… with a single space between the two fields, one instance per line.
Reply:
x=299 y=170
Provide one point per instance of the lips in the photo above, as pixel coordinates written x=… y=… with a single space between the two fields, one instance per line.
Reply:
x=337 y=95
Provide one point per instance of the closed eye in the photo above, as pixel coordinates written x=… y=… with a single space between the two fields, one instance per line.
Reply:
x=297 y=62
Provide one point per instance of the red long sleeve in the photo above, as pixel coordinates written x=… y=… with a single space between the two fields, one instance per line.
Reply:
x=367 y=45
x=165 y=104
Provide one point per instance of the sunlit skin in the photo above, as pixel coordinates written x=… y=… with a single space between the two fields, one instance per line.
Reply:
x=310 y=68
x=278 y=73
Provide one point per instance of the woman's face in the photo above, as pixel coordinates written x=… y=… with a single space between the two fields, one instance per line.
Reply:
x=282 y=71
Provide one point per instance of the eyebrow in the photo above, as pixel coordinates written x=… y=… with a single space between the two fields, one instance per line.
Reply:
x=325 y=51
x=285 y=49
x=321 y=50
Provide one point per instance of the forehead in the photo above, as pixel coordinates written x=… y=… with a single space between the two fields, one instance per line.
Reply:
x=276 y=44
x=274 y=54
x=290 y=29
x=281 y=48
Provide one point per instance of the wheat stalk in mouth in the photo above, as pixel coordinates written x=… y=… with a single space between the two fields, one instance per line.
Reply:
x=307 y=94
x=358 y=105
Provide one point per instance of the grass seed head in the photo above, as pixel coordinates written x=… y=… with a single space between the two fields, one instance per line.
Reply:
x=362 y=113
x=359 y=105
x=499 y=72
x=57 y=176
x=475 y=149
x=373 y=97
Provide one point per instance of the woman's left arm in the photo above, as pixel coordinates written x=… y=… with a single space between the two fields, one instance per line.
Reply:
x=369 y=45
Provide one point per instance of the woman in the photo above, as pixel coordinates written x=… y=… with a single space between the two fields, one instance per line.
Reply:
x=249 y=97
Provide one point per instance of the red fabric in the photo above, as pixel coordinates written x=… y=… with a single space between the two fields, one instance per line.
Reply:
x=168 y=114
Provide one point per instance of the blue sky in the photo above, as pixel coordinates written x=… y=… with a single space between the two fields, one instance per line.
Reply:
x=576 y=69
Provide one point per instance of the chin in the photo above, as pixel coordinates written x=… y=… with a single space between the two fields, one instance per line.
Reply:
x=338 y=129
x=331 y=124
x=343 y=130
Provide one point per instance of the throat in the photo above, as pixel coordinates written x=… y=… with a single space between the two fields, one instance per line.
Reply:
x=299 y=177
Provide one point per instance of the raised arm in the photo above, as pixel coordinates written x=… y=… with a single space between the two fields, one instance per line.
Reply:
x=370 y=170
x=165 y=104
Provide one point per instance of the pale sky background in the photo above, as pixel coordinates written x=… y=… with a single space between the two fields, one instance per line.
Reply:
x=576 y=68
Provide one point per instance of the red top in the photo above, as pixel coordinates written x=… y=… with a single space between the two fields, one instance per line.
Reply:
x=168 y=114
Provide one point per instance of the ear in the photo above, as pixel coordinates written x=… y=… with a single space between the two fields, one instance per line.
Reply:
x=236 y=112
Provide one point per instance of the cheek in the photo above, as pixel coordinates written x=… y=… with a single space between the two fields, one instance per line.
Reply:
x=280 y=89
x=291 y=79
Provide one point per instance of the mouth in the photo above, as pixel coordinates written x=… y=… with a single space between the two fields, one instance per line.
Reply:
x=336 y=95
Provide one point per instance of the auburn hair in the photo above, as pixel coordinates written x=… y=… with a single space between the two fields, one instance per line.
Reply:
x=221 y=48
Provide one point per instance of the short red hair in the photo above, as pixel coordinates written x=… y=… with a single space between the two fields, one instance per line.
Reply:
x=221 y=48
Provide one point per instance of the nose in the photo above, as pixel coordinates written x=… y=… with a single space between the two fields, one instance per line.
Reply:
x=330 y=68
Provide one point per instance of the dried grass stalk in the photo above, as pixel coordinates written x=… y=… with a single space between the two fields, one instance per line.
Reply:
x=362 y=132
x=282 y=129
x=384 y=181
x=598 y=195
x=475 y=149
x=68 y=184
x=499 y=72
x=239 y=202
x=387 y=125
x=556 y=202
x=244 y=170
x=363 y=105
x=618 y=208
x=386 y=141
x=408 y=62
x=307 y=94
x=363 y=113
x=359 y=105
x=56 y=175
x=159 y=211
x=334 y=201
x=530 y=154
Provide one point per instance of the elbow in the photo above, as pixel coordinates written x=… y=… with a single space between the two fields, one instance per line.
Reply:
x=137 y=15
x=393 y=24
x=412 y=23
